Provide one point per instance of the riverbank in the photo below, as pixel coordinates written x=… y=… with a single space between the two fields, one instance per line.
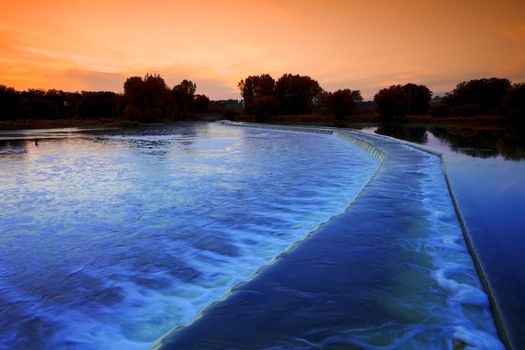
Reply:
x=487 y=171
x=357 y=121
x=406 y=301
x=373 y=119
x=92 y=122
x=64 y=123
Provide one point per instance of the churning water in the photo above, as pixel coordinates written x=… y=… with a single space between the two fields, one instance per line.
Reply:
x=109 y=239
x=393 y=272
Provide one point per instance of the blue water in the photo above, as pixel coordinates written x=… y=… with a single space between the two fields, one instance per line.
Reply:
x=487 y=172
x=392 y=272
x=111 y=238
x=491 y=192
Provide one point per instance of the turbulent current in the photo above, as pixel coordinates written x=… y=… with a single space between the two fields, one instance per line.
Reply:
x=392 y=272
x=111 y=238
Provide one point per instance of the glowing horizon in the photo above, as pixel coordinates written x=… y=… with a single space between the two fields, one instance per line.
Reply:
x=96 y=44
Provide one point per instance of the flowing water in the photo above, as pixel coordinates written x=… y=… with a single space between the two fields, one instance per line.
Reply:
x=111 y=238
x=486 y=166
x=392 y=272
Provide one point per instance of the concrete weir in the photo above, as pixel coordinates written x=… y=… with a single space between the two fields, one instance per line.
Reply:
x=392 y=272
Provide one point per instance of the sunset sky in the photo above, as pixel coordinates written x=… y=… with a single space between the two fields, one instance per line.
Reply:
x=366 y=45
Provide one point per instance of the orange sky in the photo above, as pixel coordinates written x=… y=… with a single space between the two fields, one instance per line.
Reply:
x=366 y=45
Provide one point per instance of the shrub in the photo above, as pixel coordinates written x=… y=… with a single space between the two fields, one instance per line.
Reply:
x=440 y=110
x=344 y=102
x=487 y=94
x=230 y=113
x=514 y=104
x=132 y=113
x=468 y=110
x=265 y=107
x=43 y=109
x=391 y=102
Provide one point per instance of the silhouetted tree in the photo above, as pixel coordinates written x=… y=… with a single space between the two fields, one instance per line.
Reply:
x=255 y=86
x=344 y=102
x=71 y=103
x=146 y=99
x=296 y=93
x=467 y=110
x=392 y=102
x=321 y=102
x=418 y=98
x=58 y=98
x=247 y=87
x=265 y=107
x=10 y=103
x=439 y=110
x=102 y=104
x=230 y=113
x=264 y=86
x=32 y=94
x=488 y=94
x=183 y=95
x=155 y=97
x=41 y=108
x=201 y=103
x=132 y=86
x=230 y=103
x=514 y=104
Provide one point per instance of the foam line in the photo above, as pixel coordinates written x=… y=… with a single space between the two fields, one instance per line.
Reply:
x=500 y=327
x=366 y=146
x=125 y=290
x=376 y=152
x=279 y=127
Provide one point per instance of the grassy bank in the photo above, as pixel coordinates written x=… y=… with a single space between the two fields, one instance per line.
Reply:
x=64 y=123
x=302 y=119
x=415 y=120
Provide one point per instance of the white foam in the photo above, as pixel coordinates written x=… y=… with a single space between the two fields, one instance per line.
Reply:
x=477 y=340
x=163 y=228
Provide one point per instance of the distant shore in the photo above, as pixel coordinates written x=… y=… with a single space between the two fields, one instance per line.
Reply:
x=304 y=119
x=485 y=121
x=64 y=123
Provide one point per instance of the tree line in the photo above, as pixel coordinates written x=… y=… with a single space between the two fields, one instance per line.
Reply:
x=295 y=94
x=150 y=99
x=487 y=96
x=145 y=99
x=264 y=97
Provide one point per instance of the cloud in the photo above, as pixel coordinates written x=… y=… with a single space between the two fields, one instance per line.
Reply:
x=216 y=89
x=281 y=16
x=514 y=33
x=96 y=44
x=72 y=59
x=94 y=80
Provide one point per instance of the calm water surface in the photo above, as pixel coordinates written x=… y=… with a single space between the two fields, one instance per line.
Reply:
x=111 y=238
x=487 y=171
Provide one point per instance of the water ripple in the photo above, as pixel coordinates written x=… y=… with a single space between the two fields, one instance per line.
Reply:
x=109 y=239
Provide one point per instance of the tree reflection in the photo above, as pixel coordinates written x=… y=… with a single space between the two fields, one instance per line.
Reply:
x=488 y=142
x=480 y=142
x=484 y=143
x=400 y=131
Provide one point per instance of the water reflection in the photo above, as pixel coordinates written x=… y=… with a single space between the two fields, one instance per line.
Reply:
x=413 y=134
x=108 y=239
x=13 y=147
x=487 y=169
x=478 y=142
